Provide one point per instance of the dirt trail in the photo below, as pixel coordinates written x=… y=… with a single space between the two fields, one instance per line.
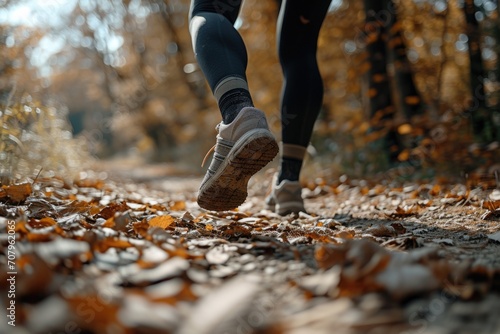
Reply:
x=139 y=256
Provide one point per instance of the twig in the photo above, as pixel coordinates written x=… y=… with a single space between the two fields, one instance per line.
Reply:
x=11 y=95
x=37 y=175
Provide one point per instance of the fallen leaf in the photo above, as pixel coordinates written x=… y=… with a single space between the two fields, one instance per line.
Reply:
x=111 y=209
x=222 y=304
x=399 y=228
x=381 y=230
x=217 y=255
x=178 y=206
x=44 y=222
x=161 y=221
x=403 y=243
x=319 y=237
x=346 y=234
x=141 y=228
x=402 y=281
x=103 y=313
x=174 y=267
x=103 y=245
x=16 y=193
x=492 y=205
x=404 y=212
x=90 y=183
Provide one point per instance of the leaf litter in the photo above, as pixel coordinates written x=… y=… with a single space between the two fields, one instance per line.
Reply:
x=102 y=256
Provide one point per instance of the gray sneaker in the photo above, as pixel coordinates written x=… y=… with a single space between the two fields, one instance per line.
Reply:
x=286 y=198
x=243 y=148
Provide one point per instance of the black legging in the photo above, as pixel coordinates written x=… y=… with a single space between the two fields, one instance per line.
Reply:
x=221 y=54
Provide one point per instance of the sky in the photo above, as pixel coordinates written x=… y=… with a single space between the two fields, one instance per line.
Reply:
x=37 y=12
x=49 y=14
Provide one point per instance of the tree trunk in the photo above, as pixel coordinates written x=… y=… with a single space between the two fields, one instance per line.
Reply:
x=481 y=120
x=496 y=104
x=381 y=109
x=409 y=97
x=379 y=92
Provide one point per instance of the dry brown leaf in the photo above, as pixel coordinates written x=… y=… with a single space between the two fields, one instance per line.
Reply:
x=346 y=234
x=328 y=255
x=436 y=190
x=180 y=252
x=34 y=276
x=399 y=228
x=21 y=228
x=381 y=230
x=103 y=245
x=178 y=206
x=44 y=222
x=38 y=237
x=112 y=209
x=141 y=228
x=403 y=243
x=161 y=221
x=110 y=222
x=103 y=315
x=16 y=193
x=90 y=183
x=320 y=237
x=492 y=205
x=404 y=212
x=236 y=230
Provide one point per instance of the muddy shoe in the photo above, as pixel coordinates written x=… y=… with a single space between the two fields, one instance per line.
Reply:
x=243 y=148
x=286 y=198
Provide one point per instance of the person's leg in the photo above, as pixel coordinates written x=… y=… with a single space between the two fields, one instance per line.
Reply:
x=298 y=29
x=244 y=143
x=221 y=53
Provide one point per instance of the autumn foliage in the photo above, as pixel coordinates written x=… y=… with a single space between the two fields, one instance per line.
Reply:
x=144 y=94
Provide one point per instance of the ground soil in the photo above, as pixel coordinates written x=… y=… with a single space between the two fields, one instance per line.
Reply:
x=129 y=251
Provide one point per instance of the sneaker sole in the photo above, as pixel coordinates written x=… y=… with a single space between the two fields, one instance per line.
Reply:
x=227 y=189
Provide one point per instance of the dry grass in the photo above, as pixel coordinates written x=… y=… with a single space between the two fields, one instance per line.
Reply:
x=37 y=139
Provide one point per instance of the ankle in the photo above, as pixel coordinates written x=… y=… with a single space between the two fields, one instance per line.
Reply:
x=290 y=169
x=232 y=102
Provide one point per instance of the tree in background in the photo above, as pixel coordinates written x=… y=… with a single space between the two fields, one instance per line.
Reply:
x=386 y=48
x=147 y=82
x=481 y=115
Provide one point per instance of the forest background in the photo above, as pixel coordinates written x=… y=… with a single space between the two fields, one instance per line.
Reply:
x=409 y=85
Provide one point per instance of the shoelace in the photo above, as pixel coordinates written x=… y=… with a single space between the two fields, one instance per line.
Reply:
x=207 y=155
